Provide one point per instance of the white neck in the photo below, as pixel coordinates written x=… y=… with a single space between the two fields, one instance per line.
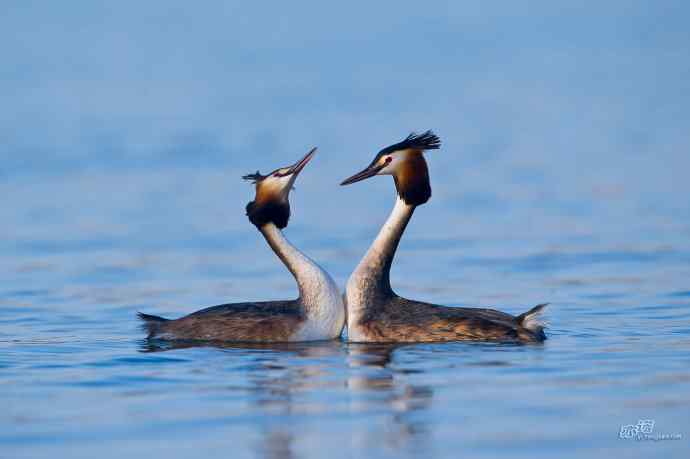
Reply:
x=318 y=293
x=370 y=281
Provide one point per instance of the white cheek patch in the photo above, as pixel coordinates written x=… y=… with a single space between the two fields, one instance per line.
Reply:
x=277 y=186
x=388 y=170
x=392 y=166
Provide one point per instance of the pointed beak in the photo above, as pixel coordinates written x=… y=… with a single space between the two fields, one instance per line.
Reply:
x=296 y=168
x=365 y=174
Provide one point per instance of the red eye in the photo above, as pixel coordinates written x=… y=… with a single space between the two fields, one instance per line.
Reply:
x=276 y=175
x=388 y=159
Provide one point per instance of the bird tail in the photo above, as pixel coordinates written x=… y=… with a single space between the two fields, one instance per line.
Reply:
x=152 y=324
x=532 y=320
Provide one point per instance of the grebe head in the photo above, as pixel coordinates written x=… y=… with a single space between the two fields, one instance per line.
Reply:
x=271 y=203
x=405 y=162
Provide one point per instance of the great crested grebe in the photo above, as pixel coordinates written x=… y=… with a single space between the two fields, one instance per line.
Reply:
x=318 y=313
x=374 y=312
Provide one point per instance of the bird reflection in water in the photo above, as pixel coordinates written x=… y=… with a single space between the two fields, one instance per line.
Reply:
x=375 y=385
x=282 y=380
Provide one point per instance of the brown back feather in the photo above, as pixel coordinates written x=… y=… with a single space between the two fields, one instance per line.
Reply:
x=266 y=321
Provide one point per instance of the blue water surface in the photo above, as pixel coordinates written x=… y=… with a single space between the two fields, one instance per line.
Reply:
x=563 y=178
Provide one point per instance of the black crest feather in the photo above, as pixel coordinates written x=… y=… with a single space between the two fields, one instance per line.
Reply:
x=425 y=141
x=254 y=178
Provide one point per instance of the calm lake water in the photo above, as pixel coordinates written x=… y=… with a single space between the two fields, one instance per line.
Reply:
x=562 y=179
x=79 y=380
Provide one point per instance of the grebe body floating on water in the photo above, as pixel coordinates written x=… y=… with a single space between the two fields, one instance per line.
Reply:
x=318 y=313
x=375 y=313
